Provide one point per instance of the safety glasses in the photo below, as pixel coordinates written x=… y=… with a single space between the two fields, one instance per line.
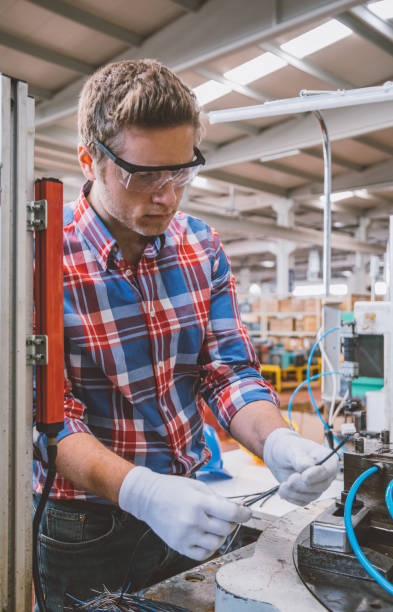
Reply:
x=149 y=179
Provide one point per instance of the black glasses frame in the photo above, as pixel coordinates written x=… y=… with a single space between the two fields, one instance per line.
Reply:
x=199 y=161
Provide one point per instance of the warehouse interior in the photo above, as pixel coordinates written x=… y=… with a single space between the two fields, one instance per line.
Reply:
x=263 y=187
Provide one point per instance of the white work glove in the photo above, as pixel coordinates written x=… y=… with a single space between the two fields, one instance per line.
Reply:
x=292 y=460
x=183 y=512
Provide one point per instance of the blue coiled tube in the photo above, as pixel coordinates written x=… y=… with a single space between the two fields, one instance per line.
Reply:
x=305 y=382
x=370 y=569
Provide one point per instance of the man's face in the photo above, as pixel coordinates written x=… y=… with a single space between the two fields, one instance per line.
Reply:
x=147 y=214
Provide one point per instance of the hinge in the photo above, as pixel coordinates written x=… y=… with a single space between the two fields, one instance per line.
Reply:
x=37 y=215
x=37 y=350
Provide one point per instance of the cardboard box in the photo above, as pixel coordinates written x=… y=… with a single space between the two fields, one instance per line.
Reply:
x=271 y=306
x=291 y=305
x=310 y=323
x=280 y=325
x=312 y=305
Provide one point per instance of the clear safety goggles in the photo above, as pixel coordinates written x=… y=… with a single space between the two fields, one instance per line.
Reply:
x=149 y=179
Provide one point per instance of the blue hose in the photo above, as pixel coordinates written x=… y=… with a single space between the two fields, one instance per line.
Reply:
x=298 y=389
x=388 y=498
x=370 y=569
x=308 y=379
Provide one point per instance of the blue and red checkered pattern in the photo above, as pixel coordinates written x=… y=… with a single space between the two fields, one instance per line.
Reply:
x=147 y=348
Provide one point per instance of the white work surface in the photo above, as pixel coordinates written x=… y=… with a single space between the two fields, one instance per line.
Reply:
x=250 y=477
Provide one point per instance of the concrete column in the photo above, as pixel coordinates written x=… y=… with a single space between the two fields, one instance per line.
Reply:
x=360 y=279
x=284 y=250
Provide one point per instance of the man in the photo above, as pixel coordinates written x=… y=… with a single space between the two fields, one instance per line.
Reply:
x=152 y=332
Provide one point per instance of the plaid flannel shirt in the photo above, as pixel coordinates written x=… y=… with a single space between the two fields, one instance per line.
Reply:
x=147 y=348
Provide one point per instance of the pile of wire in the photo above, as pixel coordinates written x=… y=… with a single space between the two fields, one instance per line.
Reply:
x=121 y=602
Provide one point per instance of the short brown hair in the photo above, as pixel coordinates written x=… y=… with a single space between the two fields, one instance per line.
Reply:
x=142 y=93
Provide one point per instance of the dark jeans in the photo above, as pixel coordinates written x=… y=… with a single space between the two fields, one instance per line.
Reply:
x=83 y=546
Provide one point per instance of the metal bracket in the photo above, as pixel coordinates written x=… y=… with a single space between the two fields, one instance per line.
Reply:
x=37 y=215
x=37 y=350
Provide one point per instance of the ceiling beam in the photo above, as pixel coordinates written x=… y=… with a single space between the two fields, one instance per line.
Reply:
x=89 y=20
x=44 y=53
x=242 y=89
x=189 y=5
x=307 y=66
x=193 y=39
x=40 y=92
x=376 y=177
x=375 y=144
x=252 y=227
x=243 y=181
x=374 y=21
x=300 y=133
x=273 y=165
x=336 y=159
x=365 y=31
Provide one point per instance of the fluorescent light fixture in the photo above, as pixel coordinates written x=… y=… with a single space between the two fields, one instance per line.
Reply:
x=383 y=9
x=200 y=182
x=307 y=101
x=340 y=195
x=255 y=69
x=209 y=91
x=346 y=273
x=338 y=224
x=308 y=290
x=317 y=38
x=380 y=288
x=319 y=289
x=267 y=263
x=339 y=289
x=266 y=158
x=254 y=289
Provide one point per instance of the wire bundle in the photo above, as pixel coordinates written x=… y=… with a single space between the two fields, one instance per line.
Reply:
x=119 y=602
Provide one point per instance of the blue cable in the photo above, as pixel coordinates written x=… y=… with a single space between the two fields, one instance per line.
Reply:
x=308 y=379
x=370 y=569
x=388 y=498
x=298 y=389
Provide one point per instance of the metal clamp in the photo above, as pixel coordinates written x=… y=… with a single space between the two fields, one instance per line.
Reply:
x=37 y=350
x=37 y=215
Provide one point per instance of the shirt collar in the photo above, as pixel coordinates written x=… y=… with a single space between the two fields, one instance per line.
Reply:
x=101 y=242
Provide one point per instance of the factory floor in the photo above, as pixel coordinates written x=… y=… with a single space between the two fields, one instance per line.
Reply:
x=302 y=413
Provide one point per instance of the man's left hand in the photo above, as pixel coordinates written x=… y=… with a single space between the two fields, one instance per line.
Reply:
x=292 y=460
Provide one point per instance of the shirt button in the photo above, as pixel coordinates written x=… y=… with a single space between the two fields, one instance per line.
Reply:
x=128 y=272
x=152 y=312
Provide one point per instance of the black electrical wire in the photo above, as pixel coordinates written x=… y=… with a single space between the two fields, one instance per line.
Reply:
x=51 y=473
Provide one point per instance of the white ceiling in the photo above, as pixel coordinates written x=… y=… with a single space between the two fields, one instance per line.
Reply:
x=55 y=45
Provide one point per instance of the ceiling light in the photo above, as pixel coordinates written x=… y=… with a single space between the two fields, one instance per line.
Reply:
x=346 y=273
x=319 y=289
x=338 y=224
x=209 y=91
x=200 y=182
x=362 y=193
x=254 y=289
x=340 y=195
x=267 y=263
x=255 y=69
x=307 y=101
x=317 y=38
x=339 y=289
x=383 y=9
x=266 y=158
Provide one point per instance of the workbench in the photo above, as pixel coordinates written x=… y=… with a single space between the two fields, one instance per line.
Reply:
x=260 y=563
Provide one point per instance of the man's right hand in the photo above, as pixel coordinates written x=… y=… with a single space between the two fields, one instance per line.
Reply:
x=183 y=512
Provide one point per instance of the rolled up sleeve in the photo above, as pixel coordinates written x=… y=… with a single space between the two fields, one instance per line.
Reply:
x=230 y=370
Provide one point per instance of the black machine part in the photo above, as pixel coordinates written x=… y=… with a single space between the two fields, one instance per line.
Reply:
x=323 y=556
